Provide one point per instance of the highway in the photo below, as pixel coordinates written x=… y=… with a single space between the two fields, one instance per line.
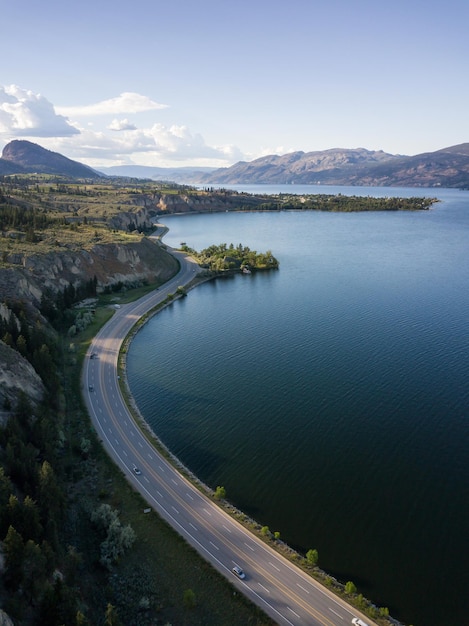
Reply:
x=281 y=590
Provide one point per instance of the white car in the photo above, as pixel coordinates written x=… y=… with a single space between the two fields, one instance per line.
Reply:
x=238 y=572
x=137 y=471
x=358 y=622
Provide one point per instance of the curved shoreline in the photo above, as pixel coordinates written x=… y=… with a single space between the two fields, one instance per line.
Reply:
x=325 y=580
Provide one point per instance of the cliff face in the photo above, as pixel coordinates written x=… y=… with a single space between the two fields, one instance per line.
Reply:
x=17 y=374
x=110 y=264
x=160 y=204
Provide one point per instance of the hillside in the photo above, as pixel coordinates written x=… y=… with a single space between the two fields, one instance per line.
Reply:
x=21 y=156
x=448 y=167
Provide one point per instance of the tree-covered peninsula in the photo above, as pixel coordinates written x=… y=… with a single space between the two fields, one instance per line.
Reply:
x=341 y=203
x=222 y=258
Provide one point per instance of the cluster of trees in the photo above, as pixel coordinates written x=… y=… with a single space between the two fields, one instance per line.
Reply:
x=326 y=202
x=17 y=217
x=55 y=306
x=117 y=538
x=31 y=512
x=222 y=257
x=41 y=577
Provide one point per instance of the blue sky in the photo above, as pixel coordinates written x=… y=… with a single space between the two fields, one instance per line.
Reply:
x=206 y=82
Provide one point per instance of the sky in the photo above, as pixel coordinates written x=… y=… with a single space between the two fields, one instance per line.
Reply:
x=173 y=83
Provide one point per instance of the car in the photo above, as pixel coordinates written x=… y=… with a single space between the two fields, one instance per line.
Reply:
x=358 y=622
x=238 y=572
x=137 y=471
x=91 y=388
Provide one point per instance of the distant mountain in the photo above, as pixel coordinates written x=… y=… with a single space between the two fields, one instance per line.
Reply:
x=19 y=157
x=448 y=167
x=182 y=175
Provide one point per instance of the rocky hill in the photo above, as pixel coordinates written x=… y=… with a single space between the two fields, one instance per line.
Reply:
x=19 y=157
x=28 y=276
x=448 y=167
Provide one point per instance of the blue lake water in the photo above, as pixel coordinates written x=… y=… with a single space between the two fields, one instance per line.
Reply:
x=331 y=398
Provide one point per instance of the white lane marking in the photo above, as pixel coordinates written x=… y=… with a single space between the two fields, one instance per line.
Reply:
x=264 y=588
x=248 y=546
x=160 y=494
x=125 y=453
x=175 y=509
x=149 y=456
x=274 y=566
x=174 y=481
x=117 y=441
x=140 y=444
x=295 y=614
x=132 y=433
x=162 y=468
x=146 y=479
x=192 y=525
x=207 y=511
x=301 y=587
x=216 y=547
x=226 y=528
x=335 y=613
x=189 y=496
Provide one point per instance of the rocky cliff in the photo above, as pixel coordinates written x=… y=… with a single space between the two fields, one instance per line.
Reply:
x=31 y=275
x=17 y=374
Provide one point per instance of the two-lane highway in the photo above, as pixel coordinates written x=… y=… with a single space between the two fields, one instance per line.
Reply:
x=283 y=591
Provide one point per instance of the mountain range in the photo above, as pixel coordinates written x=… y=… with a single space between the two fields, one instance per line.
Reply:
x=448 y=167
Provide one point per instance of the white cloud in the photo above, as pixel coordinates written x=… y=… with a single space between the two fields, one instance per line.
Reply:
x=127 y=102
x=121 y=125
x=100 y=142
x=23 y=113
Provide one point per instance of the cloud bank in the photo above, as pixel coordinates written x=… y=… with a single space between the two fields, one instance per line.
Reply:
x=108 y=137
x=25 y=114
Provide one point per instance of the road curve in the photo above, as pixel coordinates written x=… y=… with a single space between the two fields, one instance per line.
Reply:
x=281 y=590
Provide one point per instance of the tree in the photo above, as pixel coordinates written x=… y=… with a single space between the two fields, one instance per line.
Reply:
x=118 y=538
x=312 y=557
x=13 y=550
x=350 y=588
x=189 y=599
x=220 y=493
x=51 y=496
x=110 y=617
x=34 y=570
x=6 y=488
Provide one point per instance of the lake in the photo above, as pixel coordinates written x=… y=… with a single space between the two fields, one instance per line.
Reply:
x=330 y=398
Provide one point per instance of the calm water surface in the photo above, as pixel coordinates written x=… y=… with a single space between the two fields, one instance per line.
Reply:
x=331 y=398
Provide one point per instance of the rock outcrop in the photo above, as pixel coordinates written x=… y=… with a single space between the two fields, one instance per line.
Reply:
x=16 y=375
x=109 y=263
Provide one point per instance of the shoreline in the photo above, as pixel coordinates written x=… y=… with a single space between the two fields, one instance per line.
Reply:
x=326 y=581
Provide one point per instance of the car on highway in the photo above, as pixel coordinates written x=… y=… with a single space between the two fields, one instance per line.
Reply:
x=91 y=388
x=136 y=470
x=238 y=572
x=358 y=622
